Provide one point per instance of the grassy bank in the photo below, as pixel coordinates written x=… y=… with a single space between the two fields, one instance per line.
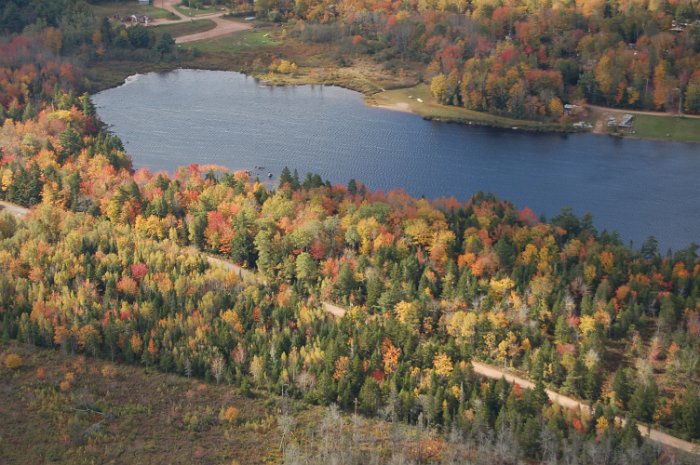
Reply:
x=407 y=99
x=667 y=128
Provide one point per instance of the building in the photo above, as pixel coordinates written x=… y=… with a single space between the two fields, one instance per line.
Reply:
x=626 y=121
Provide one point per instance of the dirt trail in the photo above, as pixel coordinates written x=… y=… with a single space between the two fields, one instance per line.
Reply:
x=247 y=276
x=333 y=309
x=223 y=26
x=19 y=212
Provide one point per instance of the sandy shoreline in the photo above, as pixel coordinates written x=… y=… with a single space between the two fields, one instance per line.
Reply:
x=400 y=107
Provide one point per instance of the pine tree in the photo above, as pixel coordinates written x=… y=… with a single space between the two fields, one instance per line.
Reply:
x=621 y=386
x=643 y=401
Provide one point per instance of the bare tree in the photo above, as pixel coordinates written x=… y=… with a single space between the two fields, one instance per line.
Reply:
x=218 y=365
x=285 y=423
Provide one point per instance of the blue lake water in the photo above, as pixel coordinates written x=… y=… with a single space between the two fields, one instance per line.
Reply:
x=635 y=187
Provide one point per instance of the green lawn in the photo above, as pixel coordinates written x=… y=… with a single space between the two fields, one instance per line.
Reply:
x=235 y=42
x=128 y=8
x=185 y=28
x=667 y=128
x=186 y=11
x=408 y=97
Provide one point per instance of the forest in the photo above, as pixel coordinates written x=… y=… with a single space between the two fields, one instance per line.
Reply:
x=112 y=262
x=513 y=58
x=522 y=58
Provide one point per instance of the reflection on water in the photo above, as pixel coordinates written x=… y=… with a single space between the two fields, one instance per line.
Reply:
x=638 y=188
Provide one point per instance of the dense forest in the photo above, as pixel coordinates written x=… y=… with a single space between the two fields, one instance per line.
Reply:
x=516 y=58
x=110 y=263
x=521 y=58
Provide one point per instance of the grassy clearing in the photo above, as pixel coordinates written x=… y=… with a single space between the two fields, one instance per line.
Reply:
x=184 y=10
x=234 y=43
x=185 y=28
x=107 y=74
x=63 y=409
x=108 y=9
x=406 y=99
x=667 y=128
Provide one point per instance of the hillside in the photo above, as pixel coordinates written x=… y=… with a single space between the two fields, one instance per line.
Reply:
x=335 y=297
x=65 y=409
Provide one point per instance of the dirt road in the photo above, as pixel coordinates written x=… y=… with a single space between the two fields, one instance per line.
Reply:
x=480 y=368
x=223 y=26
x=19 y=212
x=492 y=372
x=637 y=112
x=247 y=276
x=333 y=309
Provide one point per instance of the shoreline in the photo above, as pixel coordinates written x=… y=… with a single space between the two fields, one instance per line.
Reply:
x=125 y=71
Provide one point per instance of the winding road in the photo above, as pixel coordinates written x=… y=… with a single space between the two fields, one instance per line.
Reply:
x=655 y=435
x=492 y=372
x=223 y=26
x=483 y=369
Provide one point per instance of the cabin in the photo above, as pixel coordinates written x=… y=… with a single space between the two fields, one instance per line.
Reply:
x=626 y=121
x=572 y=109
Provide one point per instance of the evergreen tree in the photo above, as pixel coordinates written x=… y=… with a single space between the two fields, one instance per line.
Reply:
x=621 y=386
x=643 y=401
x=370 y=397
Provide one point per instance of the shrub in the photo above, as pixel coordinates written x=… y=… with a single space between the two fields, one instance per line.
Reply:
x=229 y=415
x=13 y=361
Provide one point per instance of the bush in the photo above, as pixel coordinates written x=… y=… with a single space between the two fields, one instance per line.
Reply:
x=229 y=415
x=13 y=361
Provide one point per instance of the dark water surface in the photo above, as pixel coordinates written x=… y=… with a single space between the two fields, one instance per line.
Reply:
x=636 y=187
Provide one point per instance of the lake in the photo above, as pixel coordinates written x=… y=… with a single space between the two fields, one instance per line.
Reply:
x=635 y=187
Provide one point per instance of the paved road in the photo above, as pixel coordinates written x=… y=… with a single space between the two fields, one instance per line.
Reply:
x=19 y=212
x=223 y=26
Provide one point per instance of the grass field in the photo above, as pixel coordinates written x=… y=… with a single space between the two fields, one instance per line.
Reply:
x=108 y=9
x=186 y=11
x=407 y=100
x=667 y=128
x=185 y=28
x=235 y=42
